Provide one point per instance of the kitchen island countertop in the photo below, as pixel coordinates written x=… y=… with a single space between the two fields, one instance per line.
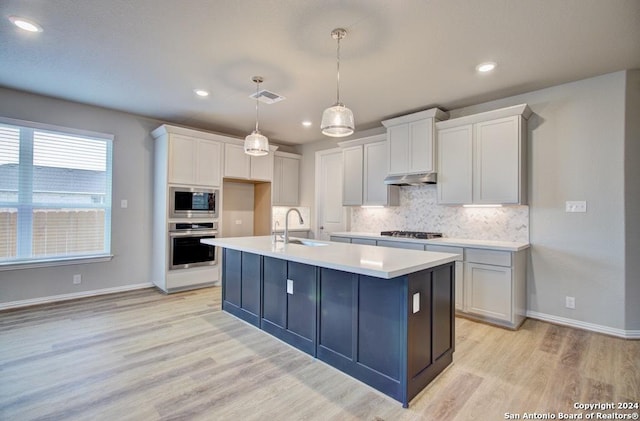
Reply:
x=381 y=262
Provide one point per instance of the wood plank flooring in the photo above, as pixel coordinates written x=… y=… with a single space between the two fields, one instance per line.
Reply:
x=142 y=355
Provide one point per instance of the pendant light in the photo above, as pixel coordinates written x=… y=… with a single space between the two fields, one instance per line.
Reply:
x=337 y=121
x=256 y=144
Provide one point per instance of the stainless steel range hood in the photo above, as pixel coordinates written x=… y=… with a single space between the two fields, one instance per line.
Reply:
x=411 y=179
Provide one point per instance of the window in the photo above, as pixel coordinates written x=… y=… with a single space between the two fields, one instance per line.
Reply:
x=55 y=193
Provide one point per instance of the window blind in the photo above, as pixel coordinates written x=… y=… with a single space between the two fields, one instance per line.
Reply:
x=55 y=193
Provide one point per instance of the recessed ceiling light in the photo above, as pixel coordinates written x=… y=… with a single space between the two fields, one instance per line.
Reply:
x=201 y=92
x=25 y=24
x=306 y=123
x=485 y=67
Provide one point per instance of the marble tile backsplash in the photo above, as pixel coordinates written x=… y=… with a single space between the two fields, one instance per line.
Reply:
x=419 y=211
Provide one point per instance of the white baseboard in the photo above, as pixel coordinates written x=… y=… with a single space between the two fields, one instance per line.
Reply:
x=621 y=333
x=72 y=296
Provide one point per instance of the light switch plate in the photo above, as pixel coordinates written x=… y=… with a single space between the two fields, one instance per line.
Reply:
x=416 y=302
x=124 y=203
x=576 y=206
x=290 y=286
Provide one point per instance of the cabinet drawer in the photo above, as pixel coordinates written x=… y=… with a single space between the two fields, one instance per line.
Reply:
x=365 y=241
x=446 y=249
x=401 y=245
x=488 y=257
x=340 y=239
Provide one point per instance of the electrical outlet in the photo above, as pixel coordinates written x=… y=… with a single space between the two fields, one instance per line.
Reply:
x=575 y=206
x=570 y=302
x=124 y=203
x=77 y=279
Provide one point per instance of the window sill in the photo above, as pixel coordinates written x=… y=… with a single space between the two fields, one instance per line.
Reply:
x=55 y=262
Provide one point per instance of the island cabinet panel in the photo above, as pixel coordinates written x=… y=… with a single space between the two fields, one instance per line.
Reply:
x=395 y=334
x=380 y=310
x=430 y=336
x=289 y=303
x=337 y=299
x=241 y=289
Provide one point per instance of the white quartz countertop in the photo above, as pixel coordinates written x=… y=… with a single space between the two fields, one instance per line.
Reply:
x=445 y=241
x=381 y=262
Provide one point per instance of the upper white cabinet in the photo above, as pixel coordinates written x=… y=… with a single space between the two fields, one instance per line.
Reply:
x=238 y=164
x=482 y=157
x=194 y=161
x=411 y=142
x=286 y=179
x=365 y=164
x=188 y=158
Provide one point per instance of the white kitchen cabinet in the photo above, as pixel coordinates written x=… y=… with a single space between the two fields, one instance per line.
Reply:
x=400 y=245
x=364 y=169
x=495 y=286
x=481 y=158
x=286 y=179
x=239 y=165
x=455 y=178
x=488 y=291
x=194 y=161
x=411 y=142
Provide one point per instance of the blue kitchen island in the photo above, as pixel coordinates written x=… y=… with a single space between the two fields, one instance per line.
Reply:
x=381 y=315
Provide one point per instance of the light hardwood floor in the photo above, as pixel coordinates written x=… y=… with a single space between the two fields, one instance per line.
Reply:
x=143 y=355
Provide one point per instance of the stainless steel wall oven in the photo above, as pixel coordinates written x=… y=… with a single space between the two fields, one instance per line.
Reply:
x=185 y=248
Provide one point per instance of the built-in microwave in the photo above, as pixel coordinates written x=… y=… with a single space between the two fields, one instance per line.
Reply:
x=193 y=202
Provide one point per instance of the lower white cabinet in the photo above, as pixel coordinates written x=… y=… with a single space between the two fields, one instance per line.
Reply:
x=488 y=291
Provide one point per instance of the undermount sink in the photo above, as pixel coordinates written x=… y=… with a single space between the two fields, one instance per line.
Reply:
x=307 y=242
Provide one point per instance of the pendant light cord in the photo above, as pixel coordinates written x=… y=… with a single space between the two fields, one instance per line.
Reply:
x=338 y=73
x=257 y=90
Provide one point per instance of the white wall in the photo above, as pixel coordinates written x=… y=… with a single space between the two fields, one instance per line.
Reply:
x=237 y=209
x=132 y=175
x=632 y=200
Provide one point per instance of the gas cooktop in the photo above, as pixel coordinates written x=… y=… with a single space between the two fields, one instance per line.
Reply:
x=412 y=234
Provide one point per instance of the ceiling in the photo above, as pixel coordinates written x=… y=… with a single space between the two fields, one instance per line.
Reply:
x=147 y=56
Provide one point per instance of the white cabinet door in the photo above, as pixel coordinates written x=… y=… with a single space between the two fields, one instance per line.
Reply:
x=488 y=290
x=398 y=144
x=497 y=161
x=182 y=153
x=455 y=165
x=286 y=181
x=208 y=163
x=237 y=164
x=376 y=193
x=194 y=161
x=352 y=162
x=261 y=167
x=421 y=147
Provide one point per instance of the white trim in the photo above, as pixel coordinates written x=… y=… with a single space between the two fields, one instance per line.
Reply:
x=72 y=296
x=61 y=261
x=621 y=333
x=54 y=128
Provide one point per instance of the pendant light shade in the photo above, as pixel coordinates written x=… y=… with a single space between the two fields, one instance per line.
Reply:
x=337 y=121
x=256 y=144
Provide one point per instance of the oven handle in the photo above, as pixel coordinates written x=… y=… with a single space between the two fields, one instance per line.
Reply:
x=191 y=233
